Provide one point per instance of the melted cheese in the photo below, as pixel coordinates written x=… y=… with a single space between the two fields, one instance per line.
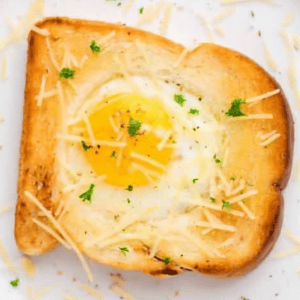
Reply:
x=60 y=229
x=224 y=14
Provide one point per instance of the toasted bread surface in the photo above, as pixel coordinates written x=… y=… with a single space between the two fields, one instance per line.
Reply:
x=215 y=73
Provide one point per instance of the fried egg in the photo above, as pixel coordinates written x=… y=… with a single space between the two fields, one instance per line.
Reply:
x=145 y=149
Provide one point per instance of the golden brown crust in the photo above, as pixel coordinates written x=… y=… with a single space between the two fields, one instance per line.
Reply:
x=218 y=73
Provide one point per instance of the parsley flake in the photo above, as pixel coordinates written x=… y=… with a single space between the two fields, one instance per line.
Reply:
x=141 y=10
x=128 y=201
x=195 y=180
x=113 y=154
x=166 y=260
x=179 y=99
x=124 y=250
x=119 y=4
x=194 y=111
x=232 y=178
x=252 y=13
x=94 y=47
x=88 y=194
x=15 y=283
x=85 y=146
x=235 y=109
x=216 y=159
x=67 y=73
x=213 y=200
x=226 y=205
x=199 y=98
x=133 y=127
x=129 y=188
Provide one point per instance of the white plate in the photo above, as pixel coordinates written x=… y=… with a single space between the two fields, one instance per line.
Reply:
x=273 y=279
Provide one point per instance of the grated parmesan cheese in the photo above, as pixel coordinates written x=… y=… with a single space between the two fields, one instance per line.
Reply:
x=3 y=73
x=150 y=13
x=70 y=297
x=243 y=196
x=263 y=96
x=296 y=41
x=289 y=20
x=287 y=252
x=28 y=266
x=79 y=139
x=252 y=117
x=40 y=96
x=43 y=32
x=296 y=170
x=61 y=230
x=89 y=130
x=113 y=125
x=216 y=226
x=164 y=140
x=219 y=30
x=270 y=139
x=267 y=135
x=270 y=61
x=224 y=14
x=122 y=293
x=246 y=210
x=148 y=160
x=127 y=6
x=47 y=94
x=51 y=54
x=207 y=29
x=90 y=290
x=166 y=18
x=5 y=209
x=7 y=260
x=51 y=232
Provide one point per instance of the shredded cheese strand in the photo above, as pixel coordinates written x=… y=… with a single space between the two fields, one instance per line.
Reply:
x=3 y=75
x=289 y=20
x=224 y=14
x=42 y=91
x=51 y=54
x=207 y=29
x=89 y=130
x=5 y=209
x=7 y=260
x=243 y=196
x=271 y=139
x=263 y=96
x=49 y=215
x=166 y=18
x=43 y=32
x=90 y=290
x=148 y=160
x=246 y=210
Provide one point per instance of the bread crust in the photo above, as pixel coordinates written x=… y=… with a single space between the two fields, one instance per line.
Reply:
x=37 y=161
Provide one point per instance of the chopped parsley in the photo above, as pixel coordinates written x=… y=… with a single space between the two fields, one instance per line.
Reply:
x=124 y=250
x=129 y=188
x=113 y=154
x=166 y=260
x=252 y=13
x=195 y=180
x=213 y=200
x=15 y=283
x=94 y=47
x=141 y=10
x=67 y=73
x=133 y=127
x=85 y=146
x=232 y=178
x=200 y=99
x=119 y=4
x=194 y=111
x=216 y=159
x=179 y=99
x=235 y=109
x=226 y=205
x=128 y=201
x=88 y=194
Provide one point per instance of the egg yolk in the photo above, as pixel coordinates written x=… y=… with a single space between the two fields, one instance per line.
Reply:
x=113 y=120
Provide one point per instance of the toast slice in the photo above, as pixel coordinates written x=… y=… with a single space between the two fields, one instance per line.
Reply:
x=213 y=73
